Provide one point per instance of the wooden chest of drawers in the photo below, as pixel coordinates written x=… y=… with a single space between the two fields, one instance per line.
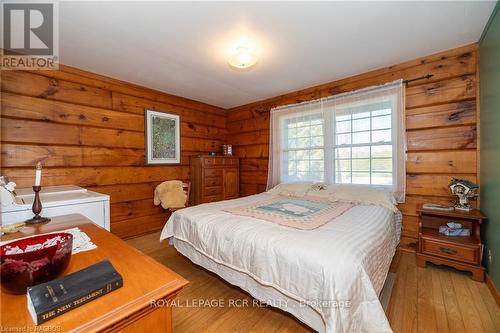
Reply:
x=214 y=178
x=461 y=252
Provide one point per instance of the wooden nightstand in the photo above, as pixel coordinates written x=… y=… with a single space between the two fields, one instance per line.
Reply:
x=461 y=252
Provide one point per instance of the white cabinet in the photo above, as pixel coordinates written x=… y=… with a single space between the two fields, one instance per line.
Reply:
x=59 y=200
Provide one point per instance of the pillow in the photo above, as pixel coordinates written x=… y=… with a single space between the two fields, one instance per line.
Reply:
x=295 y=189
x=364 y=195
x=357 y=194
x=320 y=191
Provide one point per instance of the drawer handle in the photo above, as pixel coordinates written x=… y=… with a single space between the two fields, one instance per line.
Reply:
x=447 y=250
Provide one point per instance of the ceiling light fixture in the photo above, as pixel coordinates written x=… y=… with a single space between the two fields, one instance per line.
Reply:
x=242 y=59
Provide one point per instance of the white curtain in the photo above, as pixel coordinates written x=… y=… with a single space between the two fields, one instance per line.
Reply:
x=329 y=113
x=280 y=120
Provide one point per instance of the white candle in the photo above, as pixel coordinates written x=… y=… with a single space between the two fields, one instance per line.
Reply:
x=38 y=174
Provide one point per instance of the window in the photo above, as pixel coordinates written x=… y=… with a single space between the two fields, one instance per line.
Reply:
x=352 y=138
x=303 y=149
x=363 y=145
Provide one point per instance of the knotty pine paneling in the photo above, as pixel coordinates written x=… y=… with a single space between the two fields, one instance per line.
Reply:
x=441 y=120
x=93 y=176
x=461 y=113
x=460 y=137
x=453 y=161
x=26 y=155
x=88 y=130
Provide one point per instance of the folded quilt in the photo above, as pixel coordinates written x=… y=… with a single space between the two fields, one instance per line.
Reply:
x=299 y=213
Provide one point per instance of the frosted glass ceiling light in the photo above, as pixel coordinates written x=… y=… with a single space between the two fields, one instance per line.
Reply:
x=242 y=59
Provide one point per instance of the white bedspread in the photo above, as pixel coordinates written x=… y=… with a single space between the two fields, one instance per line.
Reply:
x=338 y=269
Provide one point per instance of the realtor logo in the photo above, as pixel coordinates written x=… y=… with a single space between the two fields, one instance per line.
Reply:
x=30 y=35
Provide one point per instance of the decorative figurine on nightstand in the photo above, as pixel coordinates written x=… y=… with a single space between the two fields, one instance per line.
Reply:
x=464 y=189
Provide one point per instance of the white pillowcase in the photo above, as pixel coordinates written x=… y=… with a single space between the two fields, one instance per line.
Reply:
x=295 y=189
x=364 y=195
x=356 y=194
x=321 y=191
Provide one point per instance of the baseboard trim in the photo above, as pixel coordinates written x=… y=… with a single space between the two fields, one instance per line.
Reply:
x=493 y=289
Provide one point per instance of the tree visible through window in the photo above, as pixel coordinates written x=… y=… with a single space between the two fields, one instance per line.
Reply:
x=351 y=138
x=363 y=145
x=303 y=154
x=360 y=143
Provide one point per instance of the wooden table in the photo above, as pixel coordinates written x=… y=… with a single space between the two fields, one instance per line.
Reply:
x=127 y=309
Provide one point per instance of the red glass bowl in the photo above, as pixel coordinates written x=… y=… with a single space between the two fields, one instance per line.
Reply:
x=22 y=270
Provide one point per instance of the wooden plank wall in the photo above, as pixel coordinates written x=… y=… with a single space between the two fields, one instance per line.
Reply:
x=88 y=130
x=441 y=117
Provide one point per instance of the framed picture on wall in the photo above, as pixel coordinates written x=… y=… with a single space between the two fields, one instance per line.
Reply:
x=163 y=139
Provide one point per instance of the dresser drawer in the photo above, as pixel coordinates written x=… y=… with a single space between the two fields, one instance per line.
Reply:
x=450 y=251
x=212 y=181
x=212 y=198
x=231 y=161
x=212 y=190
x=211 y=161
x=212 y=173
x=213 y=178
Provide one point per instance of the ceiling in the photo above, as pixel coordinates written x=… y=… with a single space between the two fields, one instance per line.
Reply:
x=182 y=47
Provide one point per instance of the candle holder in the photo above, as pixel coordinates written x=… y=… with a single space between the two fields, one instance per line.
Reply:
x=37 y=208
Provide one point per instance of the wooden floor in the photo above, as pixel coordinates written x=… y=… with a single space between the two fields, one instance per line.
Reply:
x=434 y=299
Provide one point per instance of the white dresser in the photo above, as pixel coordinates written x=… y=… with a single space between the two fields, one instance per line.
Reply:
x=59 y=200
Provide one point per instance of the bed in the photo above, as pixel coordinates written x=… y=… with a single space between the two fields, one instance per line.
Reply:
x=329 y=278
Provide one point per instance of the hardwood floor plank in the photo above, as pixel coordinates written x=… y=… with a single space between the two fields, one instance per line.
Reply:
x=426 y=317
x=476 y=299
x=396 y=305
x=432 y=299
x=192 y=317
x=410 y=321
x=491 y=305
x=268 y=322
x=467 y=307
x=234 y=320
x=293 y=327
x=455 y=321
x=438 y=302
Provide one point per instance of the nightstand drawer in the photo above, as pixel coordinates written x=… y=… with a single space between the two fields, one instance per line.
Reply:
x=450 y=251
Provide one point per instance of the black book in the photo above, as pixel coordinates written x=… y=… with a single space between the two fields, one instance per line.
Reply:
x=53 y=298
